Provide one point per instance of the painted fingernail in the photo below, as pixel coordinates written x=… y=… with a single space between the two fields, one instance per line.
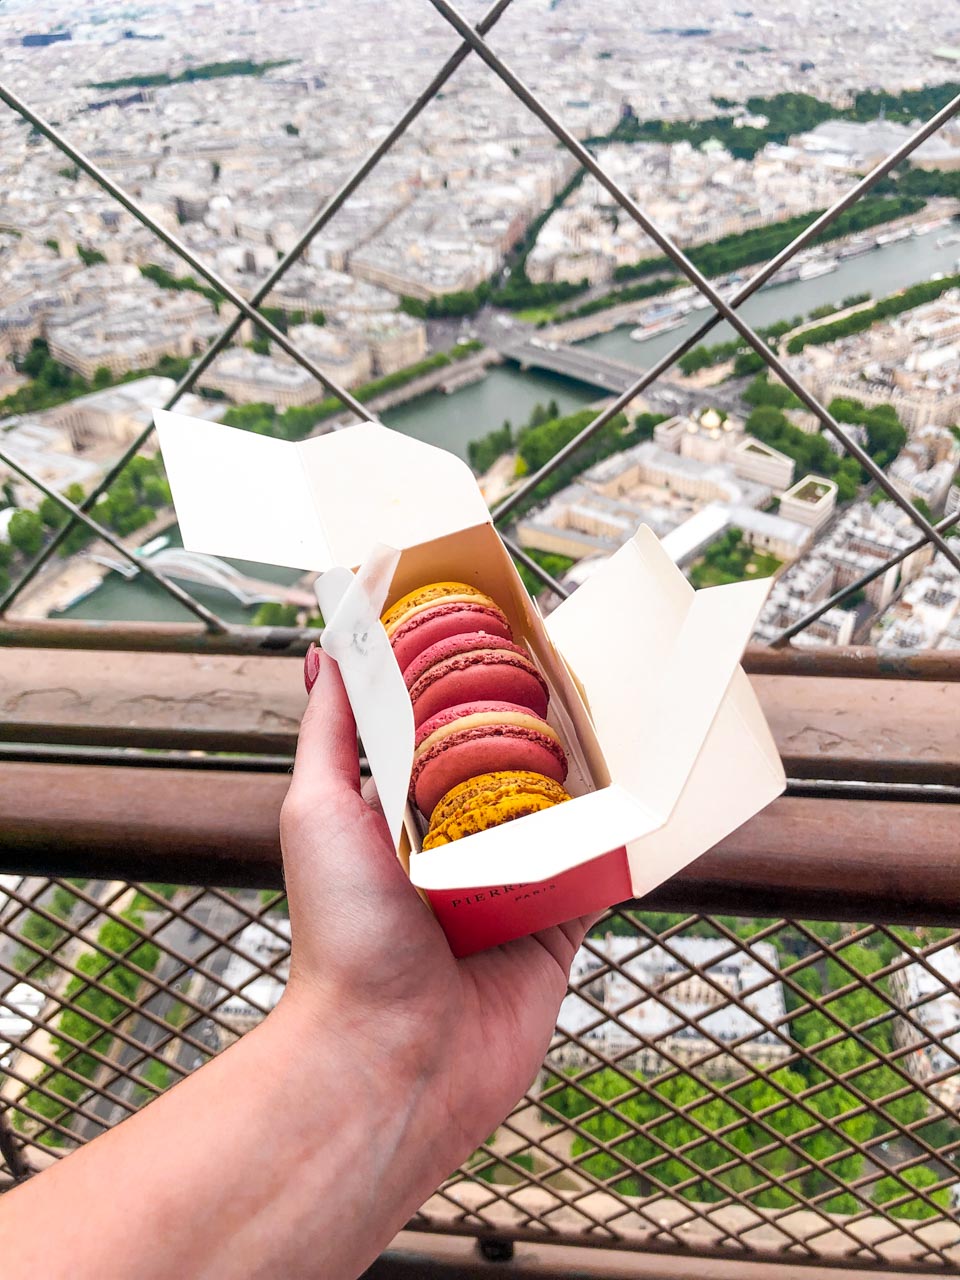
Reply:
x=311 y=667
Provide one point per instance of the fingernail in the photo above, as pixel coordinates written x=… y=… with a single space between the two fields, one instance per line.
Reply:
x=311 y=667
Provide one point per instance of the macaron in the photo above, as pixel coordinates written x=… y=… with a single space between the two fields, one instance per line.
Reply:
x=432 y=593
x=475 y=667
x=481 y=737
x=428 y=622
x=488 y=801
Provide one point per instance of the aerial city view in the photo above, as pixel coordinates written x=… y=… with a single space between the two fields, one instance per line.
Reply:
x=481 y=291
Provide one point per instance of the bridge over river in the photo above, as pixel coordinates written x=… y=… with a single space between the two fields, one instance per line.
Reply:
x=210 y=571
x=609 y=375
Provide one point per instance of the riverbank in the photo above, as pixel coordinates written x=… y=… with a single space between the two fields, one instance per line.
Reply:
x=63 y=583
x=628 y=313
x=448 y=380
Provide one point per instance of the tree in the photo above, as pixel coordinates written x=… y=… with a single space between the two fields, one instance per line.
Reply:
x=53 y=515
x=273 y=614
x=918 y=1176
x=747 y=362
x=102 y=377
x=26 y=532
x=923 y=507
x=35 y=358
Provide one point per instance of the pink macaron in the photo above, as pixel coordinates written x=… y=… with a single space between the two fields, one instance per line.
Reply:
x=443 y=620
x=473 y=668
x=481 y=737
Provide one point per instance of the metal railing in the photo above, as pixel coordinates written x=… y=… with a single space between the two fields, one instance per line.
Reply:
x=473 y=40
x=770 y=1088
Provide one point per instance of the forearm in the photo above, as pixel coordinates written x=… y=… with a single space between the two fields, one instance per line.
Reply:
x=277 y=1159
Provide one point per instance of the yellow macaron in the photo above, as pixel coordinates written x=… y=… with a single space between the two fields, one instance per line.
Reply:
x=489 y=800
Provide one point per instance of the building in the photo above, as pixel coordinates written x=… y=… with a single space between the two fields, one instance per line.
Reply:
x=931 y=991
x=395 y=340
x=762 y=530
x=864 y=538
x=692 y=1005
x=344 y=358
x=20 y=1007
x=117 y=415
x=811 y=501
x=924 y=613
x=47 y=452
x=140 y=326
x=248 y=378
x=647 y=464
x=256 y=973
x=754 y=460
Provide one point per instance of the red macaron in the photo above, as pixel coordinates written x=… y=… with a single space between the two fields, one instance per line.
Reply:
x=476 y=667
x=474 y=738
x=440 y=621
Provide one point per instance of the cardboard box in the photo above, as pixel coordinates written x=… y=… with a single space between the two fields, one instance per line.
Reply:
x=668 y=748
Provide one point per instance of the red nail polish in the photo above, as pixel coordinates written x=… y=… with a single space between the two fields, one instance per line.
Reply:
x=311 y=667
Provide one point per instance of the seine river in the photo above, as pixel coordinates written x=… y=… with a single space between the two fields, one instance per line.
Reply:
x=453 y=421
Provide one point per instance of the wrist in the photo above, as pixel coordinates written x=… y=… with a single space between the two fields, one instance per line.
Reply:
x=354 y=1117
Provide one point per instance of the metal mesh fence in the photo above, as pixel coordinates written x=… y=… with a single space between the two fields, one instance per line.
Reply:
x=473 y=40
x=769 y=1088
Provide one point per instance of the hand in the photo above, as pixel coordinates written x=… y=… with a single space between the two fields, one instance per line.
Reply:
x=465 y=1038
x=308 y=1144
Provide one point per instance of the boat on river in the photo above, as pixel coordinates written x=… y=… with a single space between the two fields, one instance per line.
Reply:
x=892 y=237
x=655 y=327
x=856 y=249
x=811 y=270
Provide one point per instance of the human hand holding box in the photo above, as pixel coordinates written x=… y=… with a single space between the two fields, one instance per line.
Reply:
x=668 y=748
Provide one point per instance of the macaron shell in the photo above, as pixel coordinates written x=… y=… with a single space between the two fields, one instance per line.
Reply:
x=441 y=622
x=488 y=801
x=467 y=642
x=477 y=751
x=480 y=712
x=484 y=674
x=423 y=595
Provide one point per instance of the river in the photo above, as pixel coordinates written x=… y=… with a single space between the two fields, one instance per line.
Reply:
x=506 y=392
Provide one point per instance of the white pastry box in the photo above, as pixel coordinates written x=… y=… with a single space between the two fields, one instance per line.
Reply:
x=668 y=748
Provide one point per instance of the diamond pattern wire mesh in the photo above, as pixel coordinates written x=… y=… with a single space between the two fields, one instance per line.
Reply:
x=473 y=40
x=762 y=1088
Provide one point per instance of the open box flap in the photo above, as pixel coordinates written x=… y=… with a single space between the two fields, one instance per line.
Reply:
x=656 y=673
x=741 y=766
x=239 y=494
x=406 y=492
x=312 y=505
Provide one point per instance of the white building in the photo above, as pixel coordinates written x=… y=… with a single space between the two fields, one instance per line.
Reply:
x=19 y=1007
x=257 y=971
x=248 y=378
x=643 y=1021
x=118 y=414
x=811 y=501
x=754 y=460
x=933 y=999
x=761 y=530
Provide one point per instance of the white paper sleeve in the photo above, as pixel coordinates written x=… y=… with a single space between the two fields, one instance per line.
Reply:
x=354 y=637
